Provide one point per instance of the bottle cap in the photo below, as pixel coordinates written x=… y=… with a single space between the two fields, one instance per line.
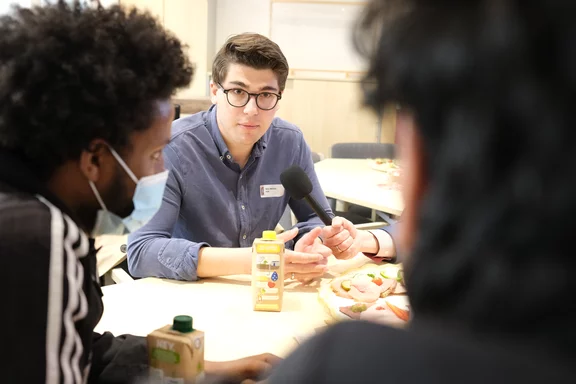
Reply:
x=269 y=235
x=182 y=324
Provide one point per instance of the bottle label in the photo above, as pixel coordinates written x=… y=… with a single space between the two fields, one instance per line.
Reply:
x=266 y=277
x=268 y=248
x=165 y=356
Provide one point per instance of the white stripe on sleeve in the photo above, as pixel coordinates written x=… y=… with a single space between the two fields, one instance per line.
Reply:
x=71 y=371
x=55 y=295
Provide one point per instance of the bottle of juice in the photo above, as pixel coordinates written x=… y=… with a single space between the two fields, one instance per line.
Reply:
x=267 y=273
x=176 y=353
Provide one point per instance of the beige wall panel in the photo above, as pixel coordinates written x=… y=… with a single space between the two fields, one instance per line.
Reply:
x=188 y=19
x=330 y=112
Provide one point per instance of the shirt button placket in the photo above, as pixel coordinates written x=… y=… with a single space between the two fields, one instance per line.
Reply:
x=243 y=213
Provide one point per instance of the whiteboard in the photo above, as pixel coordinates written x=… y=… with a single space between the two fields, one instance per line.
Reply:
x=238 y=16
x=316 y=36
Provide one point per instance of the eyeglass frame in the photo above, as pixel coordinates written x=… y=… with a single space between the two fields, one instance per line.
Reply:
x=250 y=95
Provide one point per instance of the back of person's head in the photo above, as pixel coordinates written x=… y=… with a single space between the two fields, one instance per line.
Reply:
x=254 y=51
x=72 y=73
x=492 y=89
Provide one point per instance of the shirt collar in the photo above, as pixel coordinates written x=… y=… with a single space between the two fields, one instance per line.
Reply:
x=212 y=124
x=214 y=130
x=261 y=144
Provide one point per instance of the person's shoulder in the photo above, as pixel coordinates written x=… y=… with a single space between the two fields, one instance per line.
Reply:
x=189 y=124
x=411 y=356
x=283 y=127
x=435 y=356
x=327 y=357
x=32 y=226
x=16 y=206
x=24 y=220
x=187 y=135
x=363 y=332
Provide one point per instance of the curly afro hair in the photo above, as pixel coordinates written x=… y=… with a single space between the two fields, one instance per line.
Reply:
x=72 y=73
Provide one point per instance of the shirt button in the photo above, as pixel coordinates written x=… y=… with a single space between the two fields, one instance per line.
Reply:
x=228 y=157
x=221 y=157
x=243 y=207
x=244 y=237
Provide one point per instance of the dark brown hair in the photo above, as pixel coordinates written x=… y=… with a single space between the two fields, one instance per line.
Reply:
x=492 y=87
x=253 y=50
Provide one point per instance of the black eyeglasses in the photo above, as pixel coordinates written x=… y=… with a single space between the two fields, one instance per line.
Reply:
x=239 y=98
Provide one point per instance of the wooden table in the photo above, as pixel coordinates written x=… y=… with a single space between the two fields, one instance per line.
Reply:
x=221 y=307
x=353 y=181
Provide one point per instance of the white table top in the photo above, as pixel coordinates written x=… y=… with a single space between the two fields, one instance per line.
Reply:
x=222 y=308
x=353 y=181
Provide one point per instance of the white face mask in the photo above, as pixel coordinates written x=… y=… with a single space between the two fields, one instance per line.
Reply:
x=147 y=200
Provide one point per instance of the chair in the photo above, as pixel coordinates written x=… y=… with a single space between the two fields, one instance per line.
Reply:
x=356 y=213
x=363 y=150
x=176 y=111
x=111 y=259
x=193 y=105
x=317 y=156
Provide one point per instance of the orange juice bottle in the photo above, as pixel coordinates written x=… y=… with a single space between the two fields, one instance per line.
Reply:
x=267 y=273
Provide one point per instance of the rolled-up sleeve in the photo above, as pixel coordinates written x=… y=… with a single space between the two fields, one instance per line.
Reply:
x=151 y=250
x=387 y=243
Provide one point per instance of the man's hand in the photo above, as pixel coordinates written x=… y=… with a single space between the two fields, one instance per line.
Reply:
x=342 y=238
x=309 y=257
x=242 y=370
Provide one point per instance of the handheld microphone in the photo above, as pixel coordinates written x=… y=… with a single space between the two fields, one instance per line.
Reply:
x=299 y=186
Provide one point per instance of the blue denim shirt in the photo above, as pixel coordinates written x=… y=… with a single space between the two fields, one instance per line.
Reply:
x=210 y=201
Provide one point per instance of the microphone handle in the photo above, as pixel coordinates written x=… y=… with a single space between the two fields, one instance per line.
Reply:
x=327 y=220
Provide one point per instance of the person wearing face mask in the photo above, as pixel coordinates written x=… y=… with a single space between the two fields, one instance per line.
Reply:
x=145 y=202
x=224 y=186
x=85 y=113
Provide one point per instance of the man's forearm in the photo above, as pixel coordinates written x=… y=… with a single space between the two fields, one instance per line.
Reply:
x=224 y=261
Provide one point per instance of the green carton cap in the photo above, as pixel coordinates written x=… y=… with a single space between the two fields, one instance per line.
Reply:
x=182 y=324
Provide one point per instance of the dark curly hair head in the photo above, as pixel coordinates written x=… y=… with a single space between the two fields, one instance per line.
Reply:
x=492 y=87
x=72 y=73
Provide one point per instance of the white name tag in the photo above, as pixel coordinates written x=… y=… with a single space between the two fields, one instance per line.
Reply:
x=271 y=190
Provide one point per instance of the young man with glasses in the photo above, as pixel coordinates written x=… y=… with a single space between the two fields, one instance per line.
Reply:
x=224 y=185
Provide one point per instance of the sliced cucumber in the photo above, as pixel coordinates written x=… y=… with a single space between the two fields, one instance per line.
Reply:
x=391 y=273
x=345 y=285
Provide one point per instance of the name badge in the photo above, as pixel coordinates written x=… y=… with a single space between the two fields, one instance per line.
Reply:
x=271 y=190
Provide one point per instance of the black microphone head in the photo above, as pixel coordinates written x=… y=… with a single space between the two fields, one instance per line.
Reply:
x=296 y=182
